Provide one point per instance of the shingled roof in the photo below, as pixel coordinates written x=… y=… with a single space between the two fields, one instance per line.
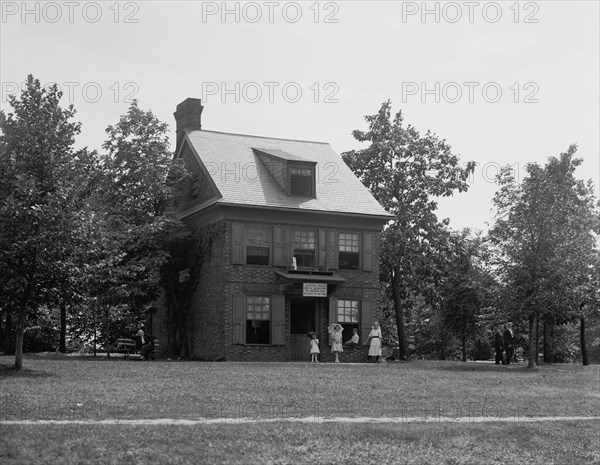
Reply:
x=235 y=165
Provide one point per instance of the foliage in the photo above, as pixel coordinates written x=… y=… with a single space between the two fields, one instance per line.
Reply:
x=406 y=172
x=81 y=231
x=546 y=229
x=133 y=226
x=187 y=252
x=39 y=240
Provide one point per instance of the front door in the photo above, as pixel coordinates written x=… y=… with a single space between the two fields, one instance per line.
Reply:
x=303 y=319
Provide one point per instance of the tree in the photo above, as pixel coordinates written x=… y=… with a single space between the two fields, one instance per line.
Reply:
x=460 y=294
x=133 y=224
x=547 y=229
x=406 y=172
x=36 y=218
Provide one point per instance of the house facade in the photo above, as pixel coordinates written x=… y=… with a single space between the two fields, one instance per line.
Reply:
x=297 y=245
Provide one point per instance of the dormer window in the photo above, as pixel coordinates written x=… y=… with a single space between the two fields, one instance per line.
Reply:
x=294 y=174
x=301 y=181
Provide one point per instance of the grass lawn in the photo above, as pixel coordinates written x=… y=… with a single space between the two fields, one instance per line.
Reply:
x=89 y=390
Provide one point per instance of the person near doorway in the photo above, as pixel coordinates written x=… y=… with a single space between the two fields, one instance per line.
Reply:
x=375 y=343
x=335 y=331
x=314 y=348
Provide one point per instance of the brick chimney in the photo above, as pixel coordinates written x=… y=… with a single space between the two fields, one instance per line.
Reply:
x=188 y=116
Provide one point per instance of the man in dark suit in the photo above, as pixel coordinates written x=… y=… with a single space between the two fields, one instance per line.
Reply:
x=498 y=345
x=508 y=340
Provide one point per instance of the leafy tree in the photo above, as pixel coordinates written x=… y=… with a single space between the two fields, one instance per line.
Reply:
x=36 y=192
x=460 y=294
x=546 y=228
x=406 y=172
x=133 y=225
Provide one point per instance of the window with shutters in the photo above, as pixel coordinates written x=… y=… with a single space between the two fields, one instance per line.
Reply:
x=349 y=252
x=348 y=312
x=258 y=320
x=304 y=248
x=258 y=249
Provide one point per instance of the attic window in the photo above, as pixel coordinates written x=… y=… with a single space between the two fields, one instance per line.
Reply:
x=302 y=181
x=195 y=188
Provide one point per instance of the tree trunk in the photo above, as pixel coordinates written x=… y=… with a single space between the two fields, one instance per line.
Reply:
x=399 y=311
x=537 y=341
x=532 y=336
x=548 y=342
x=107 y=329
x=63 y=327
x=19 y=338
x=8 y=341
x=95 y=304
x=464 y=347
x=21 y=319
x=584 y=352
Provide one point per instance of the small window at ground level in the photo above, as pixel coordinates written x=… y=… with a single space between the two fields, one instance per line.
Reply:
x=258 y=320
x=348 y=317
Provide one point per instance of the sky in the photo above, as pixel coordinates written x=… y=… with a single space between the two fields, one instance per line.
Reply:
x=504 y=83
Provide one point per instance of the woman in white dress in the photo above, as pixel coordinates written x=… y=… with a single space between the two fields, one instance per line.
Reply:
x=335 y=331
x=375 y=340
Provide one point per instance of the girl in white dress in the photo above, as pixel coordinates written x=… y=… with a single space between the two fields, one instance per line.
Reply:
x=314 y=348
x=375 y=340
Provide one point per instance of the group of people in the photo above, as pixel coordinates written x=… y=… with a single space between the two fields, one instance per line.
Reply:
x=504 y=344
x=335 y=331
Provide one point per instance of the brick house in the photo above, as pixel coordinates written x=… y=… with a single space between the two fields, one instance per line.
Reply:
x=275 y=200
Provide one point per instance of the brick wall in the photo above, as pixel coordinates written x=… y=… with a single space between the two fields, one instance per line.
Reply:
x=211 y=320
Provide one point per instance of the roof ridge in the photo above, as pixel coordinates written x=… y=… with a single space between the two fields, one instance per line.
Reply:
x=255 y=136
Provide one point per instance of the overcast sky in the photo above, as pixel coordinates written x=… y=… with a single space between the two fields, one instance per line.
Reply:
x=502 y=82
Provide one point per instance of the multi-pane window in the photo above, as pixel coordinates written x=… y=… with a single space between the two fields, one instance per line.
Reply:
x=304 y=248
x=301 y=181
x=348 y=316
x=348 y=251
x=258 y=320
x=257 y=251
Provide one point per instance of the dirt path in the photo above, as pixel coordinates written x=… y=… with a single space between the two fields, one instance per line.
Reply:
x=235 y=421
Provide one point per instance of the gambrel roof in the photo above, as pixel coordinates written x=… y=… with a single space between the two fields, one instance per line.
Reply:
x=237 y=166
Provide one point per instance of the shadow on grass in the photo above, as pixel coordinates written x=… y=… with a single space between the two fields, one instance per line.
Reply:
x=9 y=370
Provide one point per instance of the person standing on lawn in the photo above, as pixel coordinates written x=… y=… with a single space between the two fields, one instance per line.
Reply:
x=498 y=345
x=335 y=331
x=314 y=348
x=375 y=343
x=508 y=341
